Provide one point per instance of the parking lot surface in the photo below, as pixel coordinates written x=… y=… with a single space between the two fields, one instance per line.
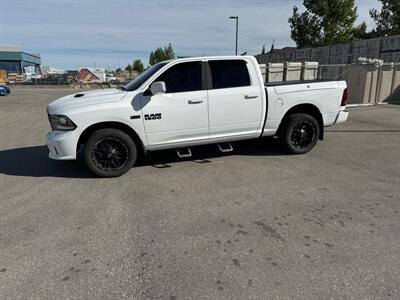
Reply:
x=254 y=224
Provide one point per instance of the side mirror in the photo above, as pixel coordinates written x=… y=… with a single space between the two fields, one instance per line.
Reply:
x=158 y=87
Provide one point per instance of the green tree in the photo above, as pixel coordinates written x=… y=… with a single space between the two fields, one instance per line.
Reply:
x=388 y=18
x=129 y=69
x=325 y=22
x=161 y=54
x=118 y=71
x=137 y=66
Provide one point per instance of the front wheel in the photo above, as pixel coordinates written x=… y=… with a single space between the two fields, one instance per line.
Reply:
x=300 y=134
x=110 y=153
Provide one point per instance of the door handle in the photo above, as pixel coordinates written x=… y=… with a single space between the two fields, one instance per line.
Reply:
x=250 y=97
x=195 y=101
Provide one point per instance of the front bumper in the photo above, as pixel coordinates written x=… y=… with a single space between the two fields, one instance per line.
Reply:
x=341 y=117
x=62 y=144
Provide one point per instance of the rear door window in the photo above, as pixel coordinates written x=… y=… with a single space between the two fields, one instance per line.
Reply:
x=229 y=74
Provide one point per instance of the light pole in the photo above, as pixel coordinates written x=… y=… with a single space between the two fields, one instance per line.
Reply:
x=237 y=31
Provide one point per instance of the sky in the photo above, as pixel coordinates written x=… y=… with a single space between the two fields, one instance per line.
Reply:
x=71 y=34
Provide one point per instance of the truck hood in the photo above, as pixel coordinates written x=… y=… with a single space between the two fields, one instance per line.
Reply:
x=84 y=99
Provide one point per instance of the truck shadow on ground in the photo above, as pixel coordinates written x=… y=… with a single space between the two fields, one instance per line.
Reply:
x=34 y=162
x=204 y=154
x=365 y=131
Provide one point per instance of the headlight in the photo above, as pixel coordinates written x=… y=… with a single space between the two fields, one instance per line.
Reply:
x=61 y=123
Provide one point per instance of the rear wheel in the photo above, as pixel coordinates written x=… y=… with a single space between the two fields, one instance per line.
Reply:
x=300 y=134
x=110 y=153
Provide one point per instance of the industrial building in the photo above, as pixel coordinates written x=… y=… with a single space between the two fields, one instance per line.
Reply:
x=14 y=60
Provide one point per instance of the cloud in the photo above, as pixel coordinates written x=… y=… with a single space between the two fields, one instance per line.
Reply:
x=76 y=33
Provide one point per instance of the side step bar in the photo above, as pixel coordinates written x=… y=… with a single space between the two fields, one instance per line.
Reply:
x=184 y=153
x=225 y=147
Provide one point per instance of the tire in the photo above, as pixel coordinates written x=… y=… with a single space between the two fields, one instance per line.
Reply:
x=110 y=153
x=300 y=133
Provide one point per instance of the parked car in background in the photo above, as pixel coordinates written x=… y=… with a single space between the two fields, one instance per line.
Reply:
x=192 y=101
x=4 y=90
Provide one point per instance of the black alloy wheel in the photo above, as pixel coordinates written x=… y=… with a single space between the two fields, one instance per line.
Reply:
x=110 y=153
x=300 y=133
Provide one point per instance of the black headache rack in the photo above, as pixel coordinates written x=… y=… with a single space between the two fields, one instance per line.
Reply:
x=293 y=82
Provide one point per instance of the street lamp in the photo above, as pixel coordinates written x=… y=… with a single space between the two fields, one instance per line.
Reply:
x=237 y=31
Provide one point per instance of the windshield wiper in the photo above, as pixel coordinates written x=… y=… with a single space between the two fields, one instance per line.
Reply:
x=122 y=88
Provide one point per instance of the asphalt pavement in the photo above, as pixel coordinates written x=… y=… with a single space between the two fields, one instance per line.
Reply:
x=253 y=224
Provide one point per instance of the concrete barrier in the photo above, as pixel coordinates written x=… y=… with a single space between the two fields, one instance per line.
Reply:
x=367 y=83
x=385 y=83
x=275 y=72
x=362 y=84
x=310 y=70
x=263 y=69
x=293 y=71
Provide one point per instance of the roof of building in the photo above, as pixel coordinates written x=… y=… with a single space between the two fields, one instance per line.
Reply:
x=92 y=74
x=10 y=48
x=15 y=53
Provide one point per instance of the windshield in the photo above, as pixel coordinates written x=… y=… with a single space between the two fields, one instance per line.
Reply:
x=138 y=81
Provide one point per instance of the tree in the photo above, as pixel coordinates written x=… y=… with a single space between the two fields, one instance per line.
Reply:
x=129 y=69
x=137 y=66
x=263 y=50
x=325 y=22
x=118 y=71
x=161 y=54
x=387 y=20
x=305 y=29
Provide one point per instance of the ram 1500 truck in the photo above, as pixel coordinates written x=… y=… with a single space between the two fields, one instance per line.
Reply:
x=186 y=102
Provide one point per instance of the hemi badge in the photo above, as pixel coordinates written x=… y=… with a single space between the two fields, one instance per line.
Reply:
x=135 y=117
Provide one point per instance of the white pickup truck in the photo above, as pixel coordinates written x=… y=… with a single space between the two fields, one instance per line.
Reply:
x=186 y=102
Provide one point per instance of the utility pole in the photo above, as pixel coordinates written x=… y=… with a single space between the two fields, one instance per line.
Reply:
x=237 y=31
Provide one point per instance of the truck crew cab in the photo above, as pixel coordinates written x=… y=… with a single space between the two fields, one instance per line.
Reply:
x=185 y=102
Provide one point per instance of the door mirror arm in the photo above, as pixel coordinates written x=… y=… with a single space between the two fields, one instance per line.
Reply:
x=147 y=92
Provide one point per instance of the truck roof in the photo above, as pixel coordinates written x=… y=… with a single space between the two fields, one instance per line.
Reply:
x=221 y=57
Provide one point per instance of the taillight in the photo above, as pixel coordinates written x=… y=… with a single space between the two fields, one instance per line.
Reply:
x=345 y=97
